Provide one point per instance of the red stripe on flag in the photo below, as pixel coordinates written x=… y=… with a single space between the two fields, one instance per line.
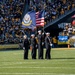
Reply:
x=39 y=21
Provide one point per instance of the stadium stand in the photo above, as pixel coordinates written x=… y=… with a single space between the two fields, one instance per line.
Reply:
x=10 y=23
x=11 y=12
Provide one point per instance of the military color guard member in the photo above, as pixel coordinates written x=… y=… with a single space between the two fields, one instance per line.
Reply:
x=25 y=47
x=33 y=45
x=48 y=46
x=40 y=46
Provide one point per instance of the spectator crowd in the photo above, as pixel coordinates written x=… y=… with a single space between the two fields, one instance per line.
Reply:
x=10 y=23
x=11 y=12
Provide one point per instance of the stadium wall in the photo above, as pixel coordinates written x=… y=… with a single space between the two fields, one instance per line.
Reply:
x=9 y=46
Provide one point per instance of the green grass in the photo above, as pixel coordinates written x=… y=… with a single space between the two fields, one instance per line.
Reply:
x=62 y=63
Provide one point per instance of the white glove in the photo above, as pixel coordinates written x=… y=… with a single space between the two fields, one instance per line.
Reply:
x=36 y=46
x=51 y=44
x=42 y=43
x=23 y=47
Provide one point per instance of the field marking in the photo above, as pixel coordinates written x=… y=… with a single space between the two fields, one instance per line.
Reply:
x=34 y=74
x=19 y=63
x=37 y=67
x=30 y=63
x=63 y=48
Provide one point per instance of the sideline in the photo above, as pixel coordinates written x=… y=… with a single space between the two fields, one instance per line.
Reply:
x=9 y=46
x=17 y=47
x=63 y=48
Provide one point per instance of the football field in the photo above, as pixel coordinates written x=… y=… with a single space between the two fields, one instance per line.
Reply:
x=62 y=62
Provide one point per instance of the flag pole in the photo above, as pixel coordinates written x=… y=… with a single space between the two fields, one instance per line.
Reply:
x=44 y=18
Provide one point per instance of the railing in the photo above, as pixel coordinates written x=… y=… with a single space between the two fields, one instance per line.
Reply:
x=60 y=17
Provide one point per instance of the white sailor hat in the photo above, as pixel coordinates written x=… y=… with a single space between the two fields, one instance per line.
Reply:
x=39 y=31
x=32 y=35
x=47 y=33
x=25 y=36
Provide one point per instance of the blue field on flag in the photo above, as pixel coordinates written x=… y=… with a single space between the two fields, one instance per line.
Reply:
x=29 y=20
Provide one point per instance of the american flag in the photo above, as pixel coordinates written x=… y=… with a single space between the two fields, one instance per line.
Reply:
x=39 y=19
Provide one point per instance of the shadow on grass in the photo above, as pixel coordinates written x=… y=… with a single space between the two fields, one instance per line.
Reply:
x=15 y=49
x=63 y=58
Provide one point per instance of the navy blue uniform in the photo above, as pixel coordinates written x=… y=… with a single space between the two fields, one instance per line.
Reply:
x=48 y=47
x=40 y=47
x=33 y=45
x=26 y=46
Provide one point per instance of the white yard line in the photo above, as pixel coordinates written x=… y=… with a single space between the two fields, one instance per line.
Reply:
x=14 y=63
x=34 y=74
x=37 y=67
